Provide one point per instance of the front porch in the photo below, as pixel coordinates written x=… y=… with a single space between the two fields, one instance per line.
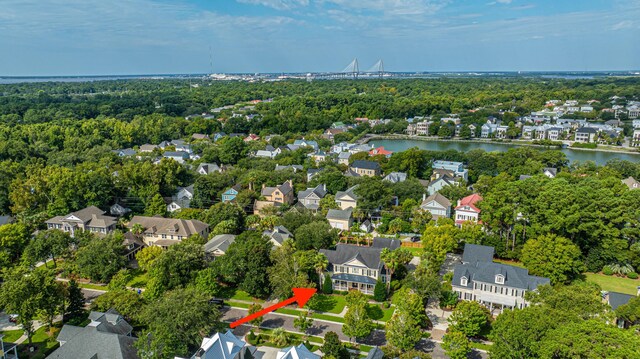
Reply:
x=346 y=282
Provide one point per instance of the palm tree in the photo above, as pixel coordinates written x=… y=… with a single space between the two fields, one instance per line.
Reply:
x=279 y=337
x=320 y=263
x=393 y=259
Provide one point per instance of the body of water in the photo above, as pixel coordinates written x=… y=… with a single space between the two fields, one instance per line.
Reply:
x=598 y=157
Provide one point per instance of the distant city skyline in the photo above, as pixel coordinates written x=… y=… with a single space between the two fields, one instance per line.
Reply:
x=127 y=37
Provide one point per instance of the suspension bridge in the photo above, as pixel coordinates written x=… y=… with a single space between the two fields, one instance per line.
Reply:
x=353 y=71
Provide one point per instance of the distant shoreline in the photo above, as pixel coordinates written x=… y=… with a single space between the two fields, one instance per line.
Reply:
x=370 y=138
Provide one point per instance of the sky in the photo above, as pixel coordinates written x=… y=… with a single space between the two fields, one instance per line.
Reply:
x=125 y=37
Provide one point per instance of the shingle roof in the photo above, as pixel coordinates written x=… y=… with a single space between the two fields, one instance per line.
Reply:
x=440 y=199
x=299 y=352
x=617 y=299
x=369 y=256
x=587 y=130
x=339 y=214
x=349 y=192
x=476 y=253
x=278 y=234
x=320 y=191
x=176 y=227
x=379 y=242
x=220 y=242
x=395 y=177
x=486 y=272
x=5 y=220
x=220 y=346
x=175 y=154
x=92 y=216
x=369 y=165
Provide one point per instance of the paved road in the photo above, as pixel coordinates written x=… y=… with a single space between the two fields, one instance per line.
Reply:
x=320 y=328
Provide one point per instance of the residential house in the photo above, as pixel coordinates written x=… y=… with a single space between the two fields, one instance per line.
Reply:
x=218 y=135
x=347 y=199
x=438 y=205
x=615 y=300
x=359 y=148
x=330 y=133
x=310 y=198
x=107 y=335
x=90 y=219
x=380 y=151
x=127 y=152
x=230 y=194
x=319 y=156
x=550 y=172
x=278 y=235
x=147 y=148
x=305 y=143
x=457 y=168
x=488 y=129
x=267 y=153
x=341 y=147
x=528 y=132
x=354 y=267
x=395 y=177
x=340 y=219
x=224 y=346
x=200 y=136
x=440 y=183
x=586 y=135
x=343 y=158
x=299 y=352
x=467 y=211
x=312 y=172
x=365 y=168
x=439 y=172
x=635 y=137
x=495 y=285
x=282 y=194
x=178 y=156
x=182 y=199
x=164 y=232
x=181 y=146
x=294 y=168
x=631 y=182
x=6 y=220
x=118 y=210
x=252 y=137
x=218 y=245
x=208 y=168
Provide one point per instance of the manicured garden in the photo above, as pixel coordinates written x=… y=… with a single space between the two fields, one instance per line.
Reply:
x=44 y=342
x=613 y=283
x=10 y=336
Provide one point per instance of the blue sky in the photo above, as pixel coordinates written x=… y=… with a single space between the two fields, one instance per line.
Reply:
x=83 y=37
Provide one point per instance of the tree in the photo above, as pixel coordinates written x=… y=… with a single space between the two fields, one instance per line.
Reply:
x=290 y=270
x=439 y=239
x=456 y=345
x=327 y=286
x=553 y=257
x=120 y=280
x=425 y=280
x=315 y=235
x=75 y=300
x=333 y=347
x=232 y=150
x=517 y=333
x=207 y=282
x=48 y=244
x=255 y=308
x=373 y=194
x=403 y=330
x=469 y=318
x=126 y=302
x=280 y=337
x=320 y=264
x=357 y=323
x=51 y=297
x=578 y=301
x=303 y=322
x=147 y=255
x=590 y=339
x=630 y=312
x=101 y=258
x=14 y=237
x=393 y=260
x=155 y=206
x=175 y=267
x=379 y=291
x=176 y=323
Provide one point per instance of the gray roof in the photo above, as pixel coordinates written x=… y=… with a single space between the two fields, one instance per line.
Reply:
x=390 y=243
x=551 y=170
x=221 y=242
x=375 y=353
x=344 y=155
x=278 y=234
x=5 y=220
x=354 y=278
x=208 y=167
x=339 y=214
x=91 y=216
x=284 y=188
x=476 y=253
x=295 y=168
x=369 y=165
x=587 y=130
x=349 y=192
x=617 y=299
x=395 y=177
x=369 y=256
x=299 y=352
x=630 y=182
x=175 y=154
x=111 y=322
x=320 y=191
x=442 y=200
x=486 y=272
x=524 y=177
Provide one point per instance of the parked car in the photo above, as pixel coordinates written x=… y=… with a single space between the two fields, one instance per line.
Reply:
x=217 y=302
x=13 y=318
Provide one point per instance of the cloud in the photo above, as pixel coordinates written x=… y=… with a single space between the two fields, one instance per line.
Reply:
x=393 y=7
x=625 y=24
x=277 y=4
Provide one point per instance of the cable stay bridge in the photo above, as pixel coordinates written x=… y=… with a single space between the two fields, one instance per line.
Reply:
x=353 y=71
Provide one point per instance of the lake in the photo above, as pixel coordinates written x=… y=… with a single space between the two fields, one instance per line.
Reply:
x=598 y=157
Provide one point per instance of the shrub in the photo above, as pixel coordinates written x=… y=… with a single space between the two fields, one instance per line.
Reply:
x=632 y=275
x=386 y=305
x=379 y=291
x=607 y=270
x=327 y=286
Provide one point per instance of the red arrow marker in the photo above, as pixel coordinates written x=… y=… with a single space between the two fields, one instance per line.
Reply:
x=300 y=295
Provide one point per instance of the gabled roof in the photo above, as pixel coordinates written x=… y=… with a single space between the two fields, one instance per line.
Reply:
x=175 y=154
x=299 y=352
x=551 y=170
x=320 y=191
x=615 y=299
x=350 y=192
x=631 y=182
x=284 y=188
x=5 y=220
x=339 y=214
x=395 y=177
x=476 y=253
x=278 y=234
x=586 y=130
x=369 y=256
x=220 y=242
x=379 y=242
x=220 y=346
x=295 y=168
x=368 y=165
x=445 y=178
x=470 y=201
x=438 y=198
x=486 y=272
x=375 y=353
x=169 y=226
x=344 y=155
x=208 y=167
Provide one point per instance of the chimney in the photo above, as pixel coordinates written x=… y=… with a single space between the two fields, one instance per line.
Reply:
x=424 y=197
x=264 y=185
x=290 y=183
x=324 y=188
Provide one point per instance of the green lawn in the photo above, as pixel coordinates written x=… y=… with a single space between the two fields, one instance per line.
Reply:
x=480 y=346
x=416 y=251
x=44 y=344
x=11 y=336
x=138 y=279
x=327 y=303
x=93 y=286
x=508 y=262
x=614 y=284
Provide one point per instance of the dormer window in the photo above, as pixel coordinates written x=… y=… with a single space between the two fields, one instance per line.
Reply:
x=463 y=281
x=499 y=279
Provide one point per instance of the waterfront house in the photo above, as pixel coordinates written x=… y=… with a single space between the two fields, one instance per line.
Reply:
x=90 y=219
x=380 y=151
x=631 y=182
x=586 y=135
x=231 y=193
x=354 y=267
x=456 y=167
x=365 y=168
x=495 y=285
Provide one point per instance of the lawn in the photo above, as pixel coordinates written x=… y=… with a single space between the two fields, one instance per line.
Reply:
x=11 y=336
x=93 y=286
x=44 y=344
x=509 y=262
x=138 y=279
x=327 y=303
x=480 y=346
x=416 y=251
x=614 y=284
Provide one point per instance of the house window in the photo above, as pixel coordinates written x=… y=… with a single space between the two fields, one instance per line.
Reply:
x=463 y=281
x=500 y=279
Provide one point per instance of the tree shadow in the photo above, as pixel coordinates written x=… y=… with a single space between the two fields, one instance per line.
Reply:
x=317 y=329
x=322 y=303
x=273 y=323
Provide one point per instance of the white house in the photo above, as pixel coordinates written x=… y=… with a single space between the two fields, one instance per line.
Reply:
x=438 y=205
